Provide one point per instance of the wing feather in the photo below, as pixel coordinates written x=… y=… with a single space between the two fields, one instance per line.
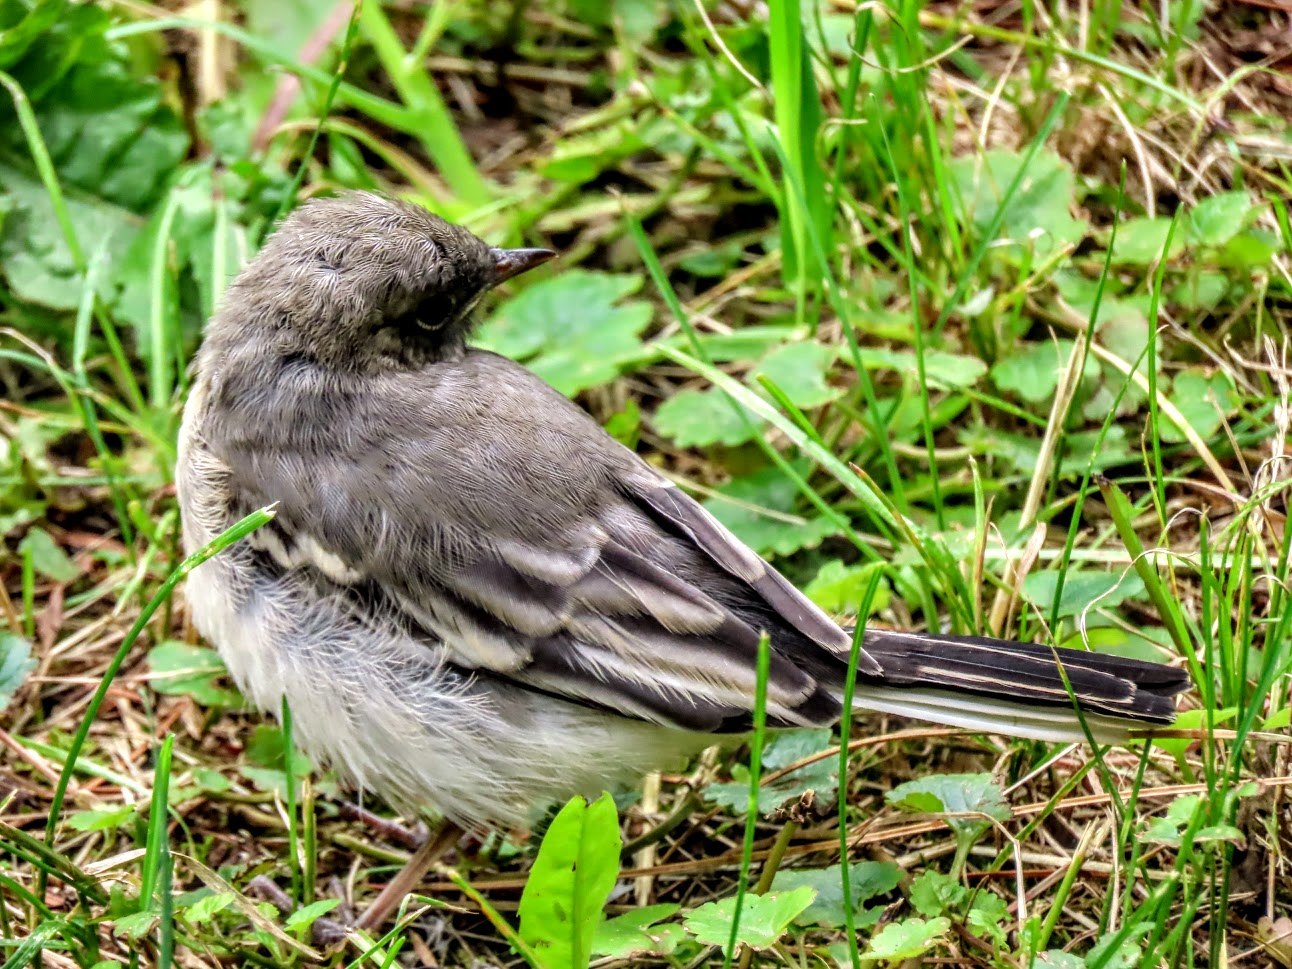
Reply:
x=519 y=540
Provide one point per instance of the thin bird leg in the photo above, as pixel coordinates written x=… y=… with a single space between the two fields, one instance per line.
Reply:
x=408 y=877
x=390 y=830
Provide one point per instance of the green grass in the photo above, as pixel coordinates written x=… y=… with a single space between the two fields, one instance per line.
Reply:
x=968 y=319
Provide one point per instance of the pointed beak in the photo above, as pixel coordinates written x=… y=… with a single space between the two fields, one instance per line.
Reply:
x=513 y=262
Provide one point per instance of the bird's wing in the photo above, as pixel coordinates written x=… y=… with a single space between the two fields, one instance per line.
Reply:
x=503 y=522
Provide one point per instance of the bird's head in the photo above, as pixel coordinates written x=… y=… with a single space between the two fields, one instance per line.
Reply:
x=361 y=279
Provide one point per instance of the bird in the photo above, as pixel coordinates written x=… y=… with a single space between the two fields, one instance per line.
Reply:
x=476 y=602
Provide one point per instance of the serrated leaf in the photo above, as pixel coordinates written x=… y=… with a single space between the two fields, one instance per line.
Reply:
x=975 y=795
x=307 y=915
x=1218 y=218
x=1203 y=400
x=839 y=588
x=987 y=917
x=571 y=329
x=267 y=748
x=102 y=819
x=1126 y=955
x=1142 y=241
x=798 y=370
x=638 y=933
x=763 y=918
x=1201 y=290
x=1033 y=371
x=710 y=260
x=580 y=158
x=110 y=133
x=700 y=418
x=207 y=907
x=906 y=939
x=566 y=891
x=16 y=663
x=941 y=369
x=37 y=264
x=759 y=508
x=1058 y=959
x=47 y=556
x=1039 y=212
x=136 y=926
x=1103 y=590
x=1250 y=249
x=180 y=669
x=783 y=748
x=867 y=879
x=936 y=893
x=745 y=343
x=1196 y=719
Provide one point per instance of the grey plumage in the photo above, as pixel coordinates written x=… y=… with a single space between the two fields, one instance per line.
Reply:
x=474 y=599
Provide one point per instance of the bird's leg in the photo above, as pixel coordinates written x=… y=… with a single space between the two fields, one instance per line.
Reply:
x=408 y=877
x=393 y=831
x=329 y=931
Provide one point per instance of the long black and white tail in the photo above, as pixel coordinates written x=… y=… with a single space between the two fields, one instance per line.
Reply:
x=995 y=686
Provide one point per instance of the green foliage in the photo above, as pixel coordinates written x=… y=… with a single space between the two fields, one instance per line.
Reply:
x=1033 y=373
x=567 y=888
x=1081 y=590
x=1038 y=216
x=700 y=418
x=106 y=819
x=638 y=933
x=183 y=670
x=113 y=140
x=1141 y=242
x=783 y=748
x=838 y=588
x=267 y=752
x=760 y=509
x=16 y=662
x=798 y=371
x=867 y=880
x=47 y=558
x=575 y=330
x=763 y=918
x=207 y=907
x=968 y=803
x=307 y=915
x=907 y=939
x=950 y=370
x=1217 y=219
x=1204 y=400
x=986 y=915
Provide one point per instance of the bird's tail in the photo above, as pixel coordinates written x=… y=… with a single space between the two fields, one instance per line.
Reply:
x=1020 y=689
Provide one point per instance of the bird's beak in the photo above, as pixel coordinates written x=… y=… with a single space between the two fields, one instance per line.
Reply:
x=513 y=262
